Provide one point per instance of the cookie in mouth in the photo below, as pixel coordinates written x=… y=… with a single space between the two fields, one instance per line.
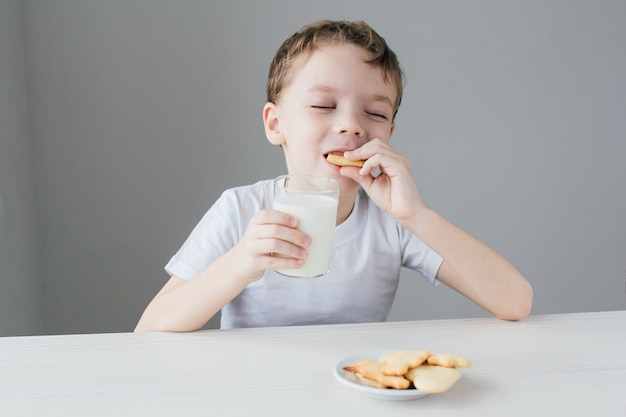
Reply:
x=344 y=162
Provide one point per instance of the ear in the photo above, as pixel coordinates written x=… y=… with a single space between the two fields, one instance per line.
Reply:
x=272 y=124
x=393 y=127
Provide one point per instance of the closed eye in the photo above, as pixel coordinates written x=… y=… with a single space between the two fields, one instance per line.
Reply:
x=382 y=116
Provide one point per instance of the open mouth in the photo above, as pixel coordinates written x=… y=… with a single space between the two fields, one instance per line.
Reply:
x=333 y=153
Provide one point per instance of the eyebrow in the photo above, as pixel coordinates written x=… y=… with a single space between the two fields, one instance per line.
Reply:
x=327 y=89
x=384 y=99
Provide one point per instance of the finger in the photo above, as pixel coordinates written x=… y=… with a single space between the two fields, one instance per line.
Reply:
x=375 y=154
x=370 y=168
x=357 y=175
x=282 y=249
x=274 y=261
x=368 y=149
x=275 y=217
x=373 y=164
x=267 y=235
x=281 y=239
x=284 y=253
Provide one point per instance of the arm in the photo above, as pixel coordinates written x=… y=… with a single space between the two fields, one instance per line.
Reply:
x=469 y=266
x=472 y=268
x=187 y=305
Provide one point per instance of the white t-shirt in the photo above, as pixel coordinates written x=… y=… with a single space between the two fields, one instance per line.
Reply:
x=369 y=249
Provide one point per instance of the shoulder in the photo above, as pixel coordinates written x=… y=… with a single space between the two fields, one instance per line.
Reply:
x=259 y=188
x=258 y=194
x=237 y=205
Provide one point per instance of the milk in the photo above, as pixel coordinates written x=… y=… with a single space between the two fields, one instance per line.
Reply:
x=317 y=216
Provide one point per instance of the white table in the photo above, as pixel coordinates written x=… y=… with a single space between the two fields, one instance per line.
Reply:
x=564 y=364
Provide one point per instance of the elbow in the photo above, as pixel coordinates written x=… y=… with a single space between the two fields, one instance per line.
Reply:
x=514 y=314
x=142 y=328
x=145 y=325
x=165 y=326
x=154 y=329
x=520 y=307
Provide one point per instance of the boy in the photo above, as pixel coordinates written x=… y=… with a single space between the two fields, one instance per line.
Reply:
x=334 y=87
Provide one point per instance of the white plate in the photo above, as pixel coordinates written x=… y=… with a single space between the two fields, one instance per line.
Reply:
x=352 y=381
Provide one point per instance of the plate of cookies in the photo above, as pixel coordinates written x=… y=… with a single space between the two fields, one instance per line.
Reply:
x=400 y=375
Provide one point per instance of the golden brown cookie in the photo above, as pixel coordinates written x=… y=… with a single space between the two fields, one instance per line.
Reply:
x=371 y=369
x=344 y=162
x=433 y=379
x=398 y=363
x=371 y=382
x=449 y=360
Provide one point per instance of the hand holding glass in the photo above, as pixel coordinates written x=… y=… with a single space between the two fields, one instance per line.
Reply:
x=313 y=200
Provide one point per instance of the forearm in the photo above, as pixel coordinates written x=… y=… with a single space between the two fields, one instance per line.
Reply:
x=473 y=268
x=190 y=304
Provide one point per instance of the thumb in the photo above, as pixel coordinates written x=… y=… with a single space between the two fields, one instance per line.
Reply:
x=354 y=173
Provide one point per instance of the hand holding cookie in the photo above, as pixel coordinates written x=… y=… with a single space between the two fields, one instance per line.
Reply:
x=387 y=179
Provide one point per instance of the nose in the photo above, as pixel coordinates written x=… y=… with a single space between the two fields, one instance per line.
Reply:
x=349 y=123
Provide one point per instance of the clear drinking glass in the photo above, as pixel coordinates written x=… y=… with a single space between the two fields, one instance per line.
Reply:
x=313 y=200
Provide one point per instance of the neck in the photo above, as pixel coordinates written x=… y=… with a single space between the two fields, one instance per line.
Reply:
x=346 y=204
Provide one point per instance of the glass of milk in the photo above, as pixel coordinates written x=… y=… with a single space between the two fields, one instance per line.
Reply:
x=313 y=200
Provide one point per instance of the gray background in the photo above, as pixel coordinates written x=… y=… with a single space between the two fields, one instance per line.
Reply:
x=122 y=121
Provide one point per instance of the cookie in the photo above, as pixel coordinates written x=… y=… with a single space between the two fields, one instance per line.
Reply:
x=371 y=382
x=398 y=363
x=341 y=161
x=449 y=360
x=419 y=369
x=433 y=379
x=371 y=369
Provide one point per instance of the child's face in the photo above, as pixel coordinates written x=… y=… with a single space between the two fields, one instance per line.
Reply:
x=334 y=103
